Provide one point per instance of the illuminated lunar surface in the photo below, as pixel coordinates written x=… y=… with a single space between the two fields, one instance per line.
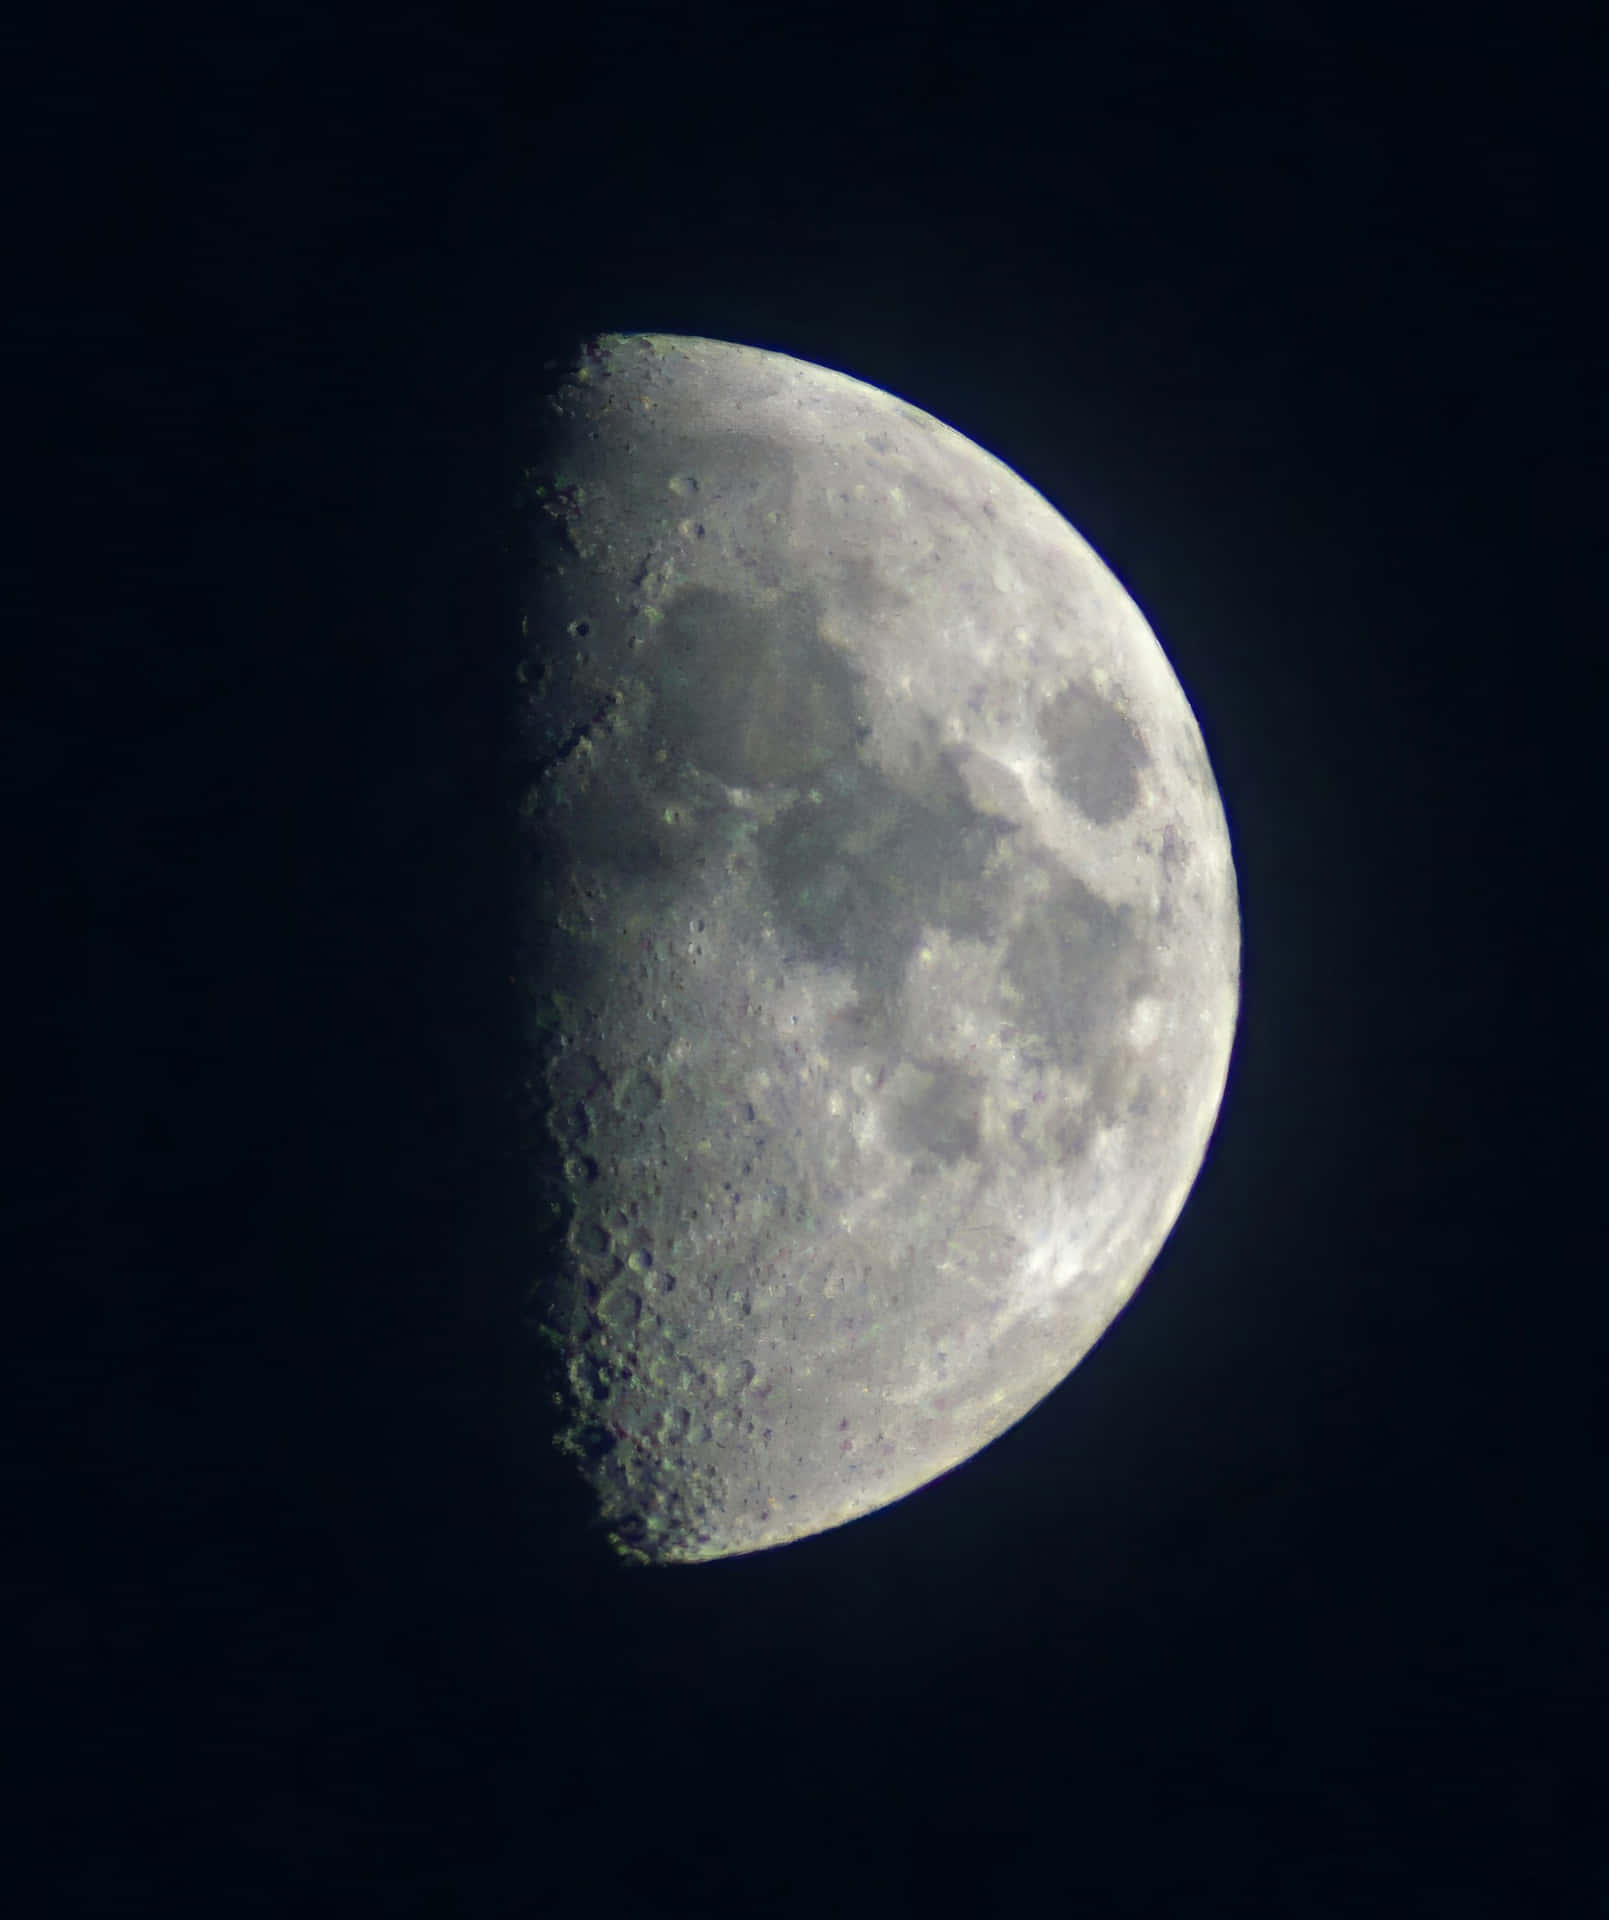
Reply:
x=881 y=940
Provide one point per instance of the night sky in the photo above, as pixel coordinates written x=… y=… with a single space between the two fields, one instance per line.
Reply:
x=1292 y=1601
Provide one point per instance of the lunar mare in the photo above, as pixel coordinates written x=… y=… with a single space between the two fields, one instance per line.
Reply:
x=881 y=940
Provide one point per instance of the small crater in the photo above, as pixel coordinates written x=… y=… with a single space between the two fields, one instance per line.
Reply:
x=640 y=1096
x=591 y=1378
x=595 y=1443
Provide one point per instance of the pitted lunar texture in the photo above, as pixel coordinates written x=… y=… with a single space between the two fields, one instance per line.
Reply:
x=882 y=943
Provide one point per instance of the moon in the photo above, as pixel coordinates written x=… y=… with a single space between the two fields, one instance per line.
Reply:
x=880 y=940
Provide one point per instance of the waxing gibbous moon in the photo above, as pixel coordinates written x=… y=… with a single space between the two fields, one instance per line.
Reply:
x=881 y=940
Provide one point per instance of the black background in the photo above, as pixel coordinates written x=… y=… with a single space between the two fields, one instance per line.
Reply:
x=1291 y=1601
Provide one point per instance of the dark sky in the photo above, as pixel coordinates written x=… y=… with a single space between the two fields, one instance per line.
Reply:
x=1292 y=1601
